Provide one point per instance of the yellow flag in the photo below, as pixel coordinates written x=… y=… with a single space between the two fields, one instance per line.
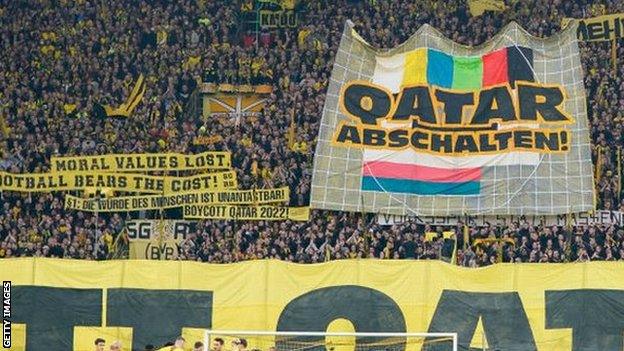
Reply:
x=614 y=47
x=135 y=97
x=477 y=7
x=430 y=236
x=289 y=4
x=598 y=163
x=4 y=128
x=254 y=168
x=291 y=131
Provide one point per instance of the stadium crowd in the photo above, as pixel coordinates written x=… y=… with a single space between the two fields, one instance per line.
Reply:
x=62 y=58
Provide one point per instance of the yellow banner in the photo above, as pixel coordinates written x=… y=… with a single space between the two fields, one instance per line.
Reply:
x=159 y=229
x=156 y=239
x=62 y=181
x=600 y=28
x=278 y=19
x=477 y=7
x=142 y=162
x=133 y=100
x=508 y=306
x=207 y=140
x=433 y=135
x=207 y=181
x=154 y=202
x=153 y=250
x=261 y=213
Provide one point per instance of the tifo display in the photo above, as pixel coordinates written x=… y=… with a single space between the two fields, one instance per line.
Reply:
x=437 y=129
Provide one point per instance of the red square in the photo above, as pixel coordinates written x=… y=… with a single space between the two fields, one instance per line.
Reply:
x=495 y=68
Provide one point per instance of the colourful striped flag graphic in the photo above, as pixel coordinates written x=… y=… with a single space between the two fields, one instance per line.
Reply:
x=411 y=172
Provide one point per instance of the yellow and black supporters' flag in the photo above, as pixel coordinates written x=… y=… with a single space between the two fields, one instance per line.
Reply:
x=477 y=7
x=599 y=28
x=449 y=247
x=125 y=109
x=201 y=182
x=63 y=181
x=431 y=236
x=142 y=162
x=130 y=182
x=5 y=130
x=156 y=239
x=207 y=140
x=547 y=306
x=260 y=213
x=154 y=202
x=89 y=193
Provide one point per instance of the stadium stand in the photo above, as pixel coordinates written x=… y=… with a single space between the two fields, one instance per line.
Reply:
x=64 y=59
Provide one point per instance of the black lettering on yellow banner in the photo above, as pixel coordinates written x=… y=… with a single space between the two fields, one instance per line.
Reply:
x=154 y=202
x=265 y=213
x=446 y=122
x=208 y=181
x=600 y=28
x=35 y=182
x=59 y=181
x=207 y=140
x=369 y=104
x=153 y=250
x=454 y=143
x=45 y=182
x=142 y=162
x=278 y=19
x=536 y=306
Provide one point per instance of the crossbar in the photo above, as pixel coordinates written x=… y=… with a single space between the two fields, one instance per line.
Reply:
x=325 y=334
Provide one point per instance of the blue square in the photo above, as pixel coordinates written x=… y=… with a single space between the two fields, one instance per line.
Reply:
x=439 y=69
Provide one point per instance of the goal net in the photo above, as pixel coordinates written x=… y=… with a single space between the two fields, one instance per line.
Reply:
x=216 y=340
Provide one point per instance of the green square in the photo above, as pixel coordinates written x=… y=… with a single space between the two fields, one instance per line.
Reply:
x=467 y=73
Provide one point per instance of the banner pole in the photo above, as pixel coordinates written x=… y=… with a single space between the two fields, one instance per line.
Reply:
x=597 y=173
x=454 y=255
x=614 y=54
x=366 y=224
x=97 y=220
x=291 y=129
x=598 y=163
x=570 y=234
x=466 y=232
x=619 y=173
x=257 y=27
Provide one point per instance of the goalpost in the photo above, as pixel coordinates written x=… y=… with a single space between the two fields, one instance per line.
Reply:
x=321 y=341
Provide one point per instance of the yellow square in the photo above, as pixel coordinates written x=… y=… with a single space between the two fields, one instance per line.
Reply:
x=415 y=72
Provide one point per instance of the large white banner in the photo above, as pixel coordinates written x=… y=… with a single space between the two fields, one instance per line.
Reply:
x=437 y=129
